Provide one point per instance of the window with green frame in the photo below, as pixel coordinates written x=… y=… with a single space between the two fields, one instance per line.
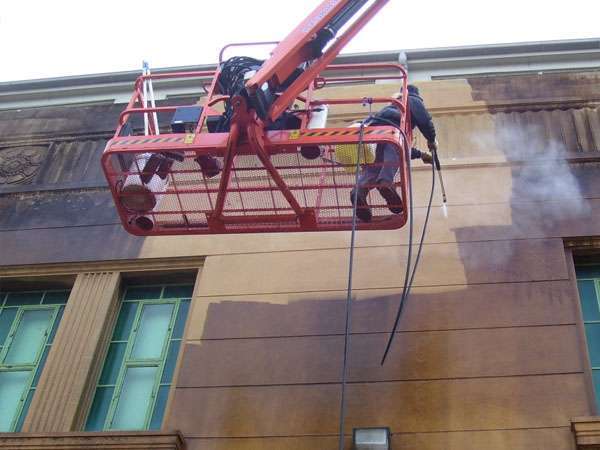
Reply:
x=588 y=283
x=28 y=324
x=134 y=384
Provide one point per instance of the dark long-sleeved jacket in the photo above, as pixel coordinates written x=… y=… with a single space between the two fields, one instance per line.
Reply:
x=419 y=116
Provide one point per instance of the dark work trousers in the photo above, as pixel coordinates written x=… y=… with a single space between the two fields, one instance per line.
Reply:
x=383 y=170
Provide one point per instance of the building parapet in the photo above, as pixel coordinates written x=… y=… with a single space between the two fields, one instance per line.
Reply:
x=423 y=64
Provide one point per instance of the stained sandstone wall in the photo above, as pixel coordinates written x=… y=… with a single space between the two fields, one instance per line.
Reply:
x=489 y=352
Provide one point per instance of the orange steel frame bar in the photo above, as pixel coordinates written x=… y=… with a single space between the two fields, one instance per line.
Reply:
x=292 y=51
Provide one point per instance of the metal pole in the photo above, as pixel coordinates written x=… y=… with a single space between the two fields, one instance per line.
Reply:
x=144 y=99
x=151 y=94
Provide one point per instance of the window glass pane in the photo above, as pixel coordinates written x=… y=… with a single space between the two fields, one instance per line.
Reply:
x=56 y=298
x=178 y=291
x=170 y=362
x=135 y=399
x=99 y=409
x=6 y=318
x=125 y=321
x=153 y=330
x=113 y=362
x=159 y=408
x=592 y=332
x=588 y=271
x=24 y=298
x=59 y=314
x=143 y=293
x=29 y=337
x=40 y=366
x=589 y=300
x=180 y=321
x=142 y=392
x=12 y=387
x=24 y=410
x=596 y=380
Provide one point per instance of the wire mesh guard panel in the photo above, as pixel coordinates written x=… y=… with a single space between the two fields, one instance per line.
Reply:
x=183 y=201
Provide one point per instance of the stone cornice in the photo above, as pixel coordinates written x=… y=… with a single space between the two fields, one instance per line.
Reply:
x=136 y=265
x=583 y=244
x=94 y=441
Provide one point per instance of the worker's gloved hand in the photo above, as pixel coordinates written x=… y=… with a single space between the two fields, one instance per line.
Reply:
x=432 y=145
x=426 y=158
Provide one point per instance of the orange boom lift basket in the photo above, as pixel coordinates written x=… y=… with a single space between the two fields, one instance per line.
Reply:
x=252 y=176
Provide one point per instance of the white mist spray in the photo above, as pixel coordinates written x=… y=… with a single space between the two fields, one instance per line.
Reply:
x=545 y=190
x=543 y=176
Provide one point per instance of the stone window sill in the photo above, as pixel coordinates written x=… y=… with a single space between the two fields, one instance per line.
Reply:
x=587 y=432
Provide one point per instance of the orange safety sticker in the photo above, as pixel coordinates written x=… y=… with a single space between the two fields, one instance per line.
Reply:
x=189 y=138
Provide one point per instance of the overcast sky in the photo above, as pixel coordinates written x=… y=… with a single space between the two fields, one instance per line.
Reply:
x=50 y=38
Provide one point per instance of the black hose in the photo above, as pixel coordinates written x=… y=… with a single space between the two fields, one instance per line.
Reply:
x=359 y=148
x=329 y=31
x=231 y=82
x=341 y=18
x=408 y=282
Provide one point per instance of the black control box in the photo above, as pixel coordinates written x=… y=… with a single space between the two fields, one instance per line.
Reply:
x=185 y=119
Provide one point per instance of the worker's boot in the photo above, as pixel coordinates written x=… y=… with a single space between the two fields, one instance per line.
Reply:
x=392 y=198
x=209 y=165
x=363 y=211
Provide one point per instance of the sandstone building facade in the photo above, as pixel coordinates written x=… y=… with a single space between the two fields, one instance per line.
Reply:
x=236 y=342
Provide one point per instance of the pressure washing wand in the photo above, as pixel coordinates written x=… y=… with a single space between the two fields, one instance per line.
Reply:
x=438 y=167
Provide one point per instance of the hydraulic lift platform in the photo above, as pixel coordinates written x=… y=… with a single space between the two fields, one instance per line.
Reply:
x=274 y=166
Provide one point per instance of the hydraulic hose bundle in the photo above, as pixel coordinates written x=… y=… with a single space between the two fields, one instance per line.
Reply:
x=231 y=82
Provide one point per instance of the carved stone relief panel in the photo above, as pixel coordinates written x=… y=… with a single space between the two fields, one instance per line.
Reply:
x=18 y=165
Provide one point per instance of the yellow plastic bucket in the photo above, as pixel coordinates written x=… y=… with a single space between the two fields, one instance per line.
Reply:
x=346 y=154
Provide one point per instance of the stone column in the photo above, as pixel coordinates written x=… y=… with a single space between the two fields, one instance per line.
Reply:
x=66 y=387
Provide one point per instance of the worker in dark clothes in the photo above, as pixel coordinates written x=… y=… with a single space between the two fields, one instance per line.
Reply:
x=381 y=173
